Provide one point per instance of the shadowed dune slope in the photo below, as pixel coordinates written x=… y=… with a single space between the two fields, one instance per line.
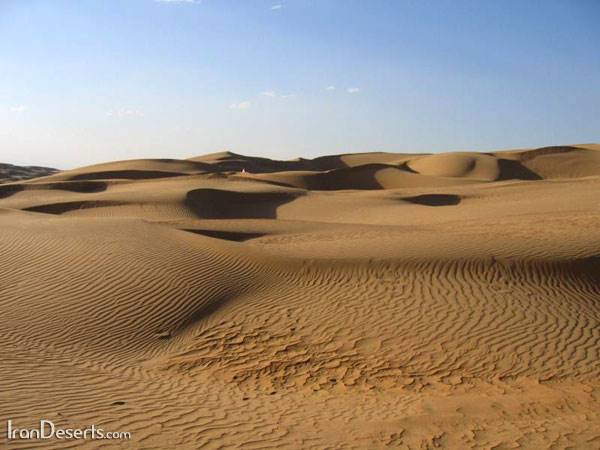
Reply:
x=364 y=301
x=224 y=204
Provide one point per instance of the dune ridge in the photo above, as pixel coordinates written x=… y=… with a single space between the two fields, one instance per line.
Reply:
x=367 y=301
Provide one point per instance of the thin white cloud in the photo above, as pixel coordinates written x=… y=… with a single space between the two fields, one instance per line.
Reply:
x=18 y=109
x=125 y=113
x=330 y=88
x=274 y=94
x=276 y=6
x=177 y=1
x=241 y=105
x=353 y=90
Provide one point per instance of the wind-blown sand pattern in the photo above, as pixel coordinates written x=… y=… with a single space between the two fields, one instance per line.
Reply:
x=356 y=301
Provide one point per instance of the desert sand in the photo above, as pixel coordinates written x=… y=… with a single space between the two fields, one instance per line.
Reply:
x=364 y=301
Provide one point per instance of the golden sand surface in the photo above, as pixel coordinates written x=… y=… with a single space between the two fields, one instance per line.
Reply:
x=362 y=301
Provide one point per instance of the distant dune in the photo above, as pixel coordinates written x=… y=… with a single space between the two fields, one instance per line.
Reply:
x=9 y=172
x=365 y=301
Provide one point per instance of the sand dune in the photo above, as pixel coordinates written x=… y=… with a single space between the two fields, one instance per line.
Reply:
x=10 y=172
x=368 y=301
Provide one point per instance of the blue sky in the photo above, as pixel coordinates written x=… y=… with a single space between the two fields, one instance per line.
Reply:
x=85 y=81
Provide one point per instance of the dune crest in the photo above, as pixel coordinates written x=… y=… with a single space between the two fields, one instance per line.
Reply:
x=373 y=300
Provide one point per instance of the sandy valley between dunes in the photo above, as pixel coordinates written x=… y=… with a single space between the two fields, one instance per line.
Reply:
x=365 y=301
